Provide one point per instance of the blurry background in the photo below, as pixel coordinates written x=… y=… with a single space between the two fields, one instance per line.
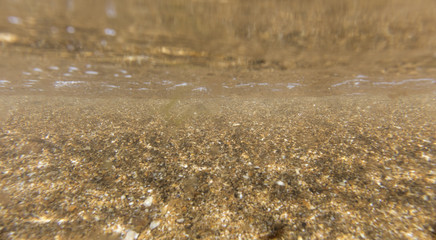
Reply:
x=394 y=37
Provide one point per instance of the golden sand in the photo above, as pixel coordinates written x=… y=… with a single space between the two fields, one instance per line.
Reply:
x=346 y=167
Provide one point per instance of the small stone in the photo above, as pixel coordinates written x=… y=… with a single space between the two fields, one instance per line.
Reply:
x=148 y=202
x=181 y=220
x=280 y=183
x=72 y=208
x=131 y=235
x=343 y=183
x=154 y=224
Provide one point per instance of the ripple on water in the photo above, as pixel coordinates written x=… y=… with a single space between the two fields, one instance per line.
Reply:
x=110 y=32
x=4 y=82
x=91 y=72
x=200 y=89
x=419 y=81
x=61 y=84
x=292 y=85
x=72 y=69
x=55 y=68
x=353 y=82
x=30 y=82
x=103 y=78
x=15 y=20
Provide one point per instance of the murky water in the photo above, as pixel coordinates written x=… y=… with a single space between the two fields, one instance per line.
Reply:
x=217 y=48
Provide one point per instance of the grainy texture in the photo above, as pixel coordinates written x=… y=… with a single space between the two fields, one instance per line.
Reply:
x=345 y=167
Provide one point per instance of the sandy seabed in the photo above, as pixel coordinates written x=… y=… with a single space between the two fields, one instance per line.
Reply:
x=341 y=167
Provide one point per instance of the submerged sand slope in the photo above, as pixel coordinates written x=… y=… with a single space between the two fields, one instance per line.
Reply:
x=333 y=167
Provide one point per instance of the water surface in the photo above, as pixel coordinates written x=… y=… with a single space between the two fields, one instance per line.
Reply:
x=274 y=48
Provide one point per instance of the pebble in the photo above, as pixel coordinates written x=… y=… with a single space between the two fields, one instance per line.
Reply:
x=280 y=183
x=297 y=171
x=131 y=235
x=181 y=220
x=154 y=224
x=148 y=202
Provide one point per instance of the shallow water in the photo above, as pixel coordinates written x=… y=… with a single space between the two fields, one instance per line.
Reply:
x=217 y=119
x=217 y=48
